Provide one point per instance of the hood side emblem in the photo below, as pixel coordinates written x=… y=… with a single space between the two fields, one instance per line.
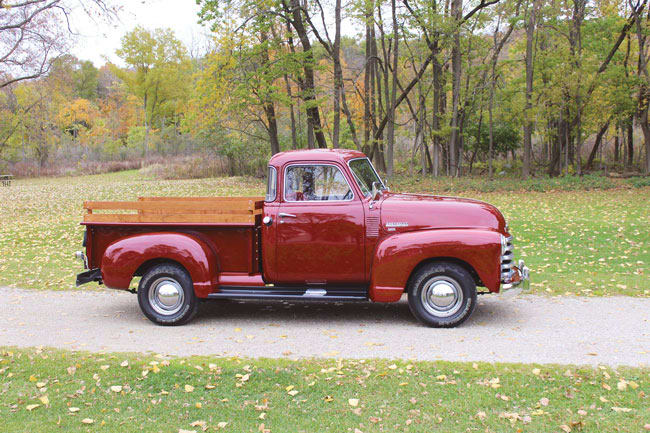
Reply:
x=397 y=224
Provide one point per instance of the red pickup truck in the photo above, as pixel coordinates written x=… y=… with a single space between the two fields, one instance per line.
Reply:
x=328 y=229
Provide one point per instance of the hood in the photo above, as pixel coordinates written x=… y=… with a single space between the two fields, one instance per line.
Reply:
x=408 y=212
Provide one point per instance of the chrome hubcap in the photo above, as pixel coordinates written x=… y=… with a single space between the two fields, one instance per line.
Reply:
x=166 y=296
x=442 y=296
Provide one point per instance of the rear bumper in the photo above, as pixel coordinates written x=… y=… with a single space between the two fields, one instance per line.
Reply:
x=518 y=281
x=89 y=276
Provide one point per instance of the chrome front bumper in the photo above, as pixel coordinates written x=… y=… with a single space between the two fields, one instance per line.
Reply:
x=517 y=281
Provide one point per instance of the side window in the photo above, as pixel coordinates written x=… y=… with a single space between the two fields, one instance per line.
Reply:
x=315 y=183
x=271 y=185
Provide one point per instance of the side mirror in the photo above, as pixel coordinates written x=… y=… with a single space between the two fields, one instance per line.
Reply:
x=376 y=191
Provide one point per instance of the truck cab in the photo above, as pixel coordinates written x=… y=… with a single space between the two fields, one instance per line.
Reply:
x=327 y=229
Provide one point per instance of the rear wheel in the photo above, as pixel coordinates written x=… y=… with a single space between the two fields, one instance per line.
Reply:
x=442 y=294
x=166 y=295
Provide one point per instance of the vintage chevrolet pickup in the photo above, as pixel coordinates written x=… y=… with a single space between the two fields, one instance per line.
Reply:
x=328 y=229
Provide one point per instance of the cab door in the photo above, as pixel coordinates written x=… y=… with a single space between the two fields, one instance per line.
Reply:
x=320 y=227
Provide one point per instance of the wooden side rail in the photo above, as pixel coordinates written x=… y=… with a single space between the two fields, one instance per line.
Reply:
x=176 y=209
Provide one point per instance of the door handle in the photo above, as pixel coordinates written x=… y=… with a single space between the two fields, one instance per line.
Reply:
x=286 y=215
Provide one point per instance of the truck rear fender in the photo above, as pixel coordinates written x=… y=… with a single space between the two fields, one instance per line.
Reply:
x=398 y=256
x=130 y=256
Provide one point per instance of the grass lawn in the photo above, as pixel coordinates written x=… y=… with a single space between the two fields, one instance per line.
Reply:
x=585 y=242
x=50 y=391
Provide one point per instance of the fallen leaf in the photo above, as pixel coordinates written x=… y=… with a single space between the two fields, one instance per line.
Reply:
x=621 y=409
x=44 y=400
x=536 y=371
x=293 y=392
x=104 y=367
x=124 y=363
x=544 y=401
x=31 y=407
x=87 y=421
x=116 y=388
x=73 y=409
x=202 y=424
x=565 y=428
x=354 y=402
x=189 y=388
x=222 y=424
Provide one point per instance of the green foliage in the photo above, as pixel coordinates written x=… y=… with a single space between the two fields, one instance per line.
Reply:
x=505 y=136
x=314 y=395
x=86 y=79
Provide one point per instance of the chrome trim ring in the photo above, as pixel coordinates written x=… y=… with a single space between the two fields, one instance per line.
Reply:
x=166 y=296
x=441 y=296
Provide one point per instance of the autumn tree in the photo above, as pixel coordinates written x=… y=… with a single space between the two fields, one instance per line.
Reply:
x=158 y=73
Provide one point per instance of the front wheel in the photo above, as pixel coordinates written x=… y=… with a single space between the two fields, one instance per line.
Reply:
x=442 y=294
x=166 y=295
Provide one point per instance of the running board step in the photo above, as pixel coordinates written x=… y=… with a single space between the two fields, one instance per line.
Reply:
x=232 y=292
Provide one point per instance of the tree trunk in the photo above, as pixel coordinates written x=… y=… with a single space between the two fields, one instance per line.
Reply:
x=576 y=50
x=145 y=145
x=269 y=108
x=272 y=127
x=368 y=84
x=456 y=68
x=644 y=88
x=309 y=91
x=528 y=124
x=393 y=95
x=294 y=138
x=338 y=75
x=630 y=142
x=617 y=148
x=436 y=116
x=599 y=139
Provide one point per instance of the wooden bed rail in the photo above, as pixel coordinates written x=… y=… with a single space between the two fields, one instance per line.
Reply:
x=177 y=209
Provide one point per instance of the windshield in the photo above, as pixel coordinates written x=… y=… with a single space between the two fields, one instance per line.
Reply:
x=365 y=175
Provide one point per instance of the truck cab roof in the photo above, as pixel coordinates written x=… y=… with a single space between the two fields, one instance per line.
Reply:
x=319 y=155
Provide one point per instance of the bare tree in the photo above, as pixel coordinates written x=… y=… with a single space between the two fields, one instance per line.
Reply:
x=33 y=32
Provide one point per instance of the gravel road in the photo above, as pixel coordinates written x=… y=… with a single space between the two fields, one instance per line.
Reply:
x=613 y=331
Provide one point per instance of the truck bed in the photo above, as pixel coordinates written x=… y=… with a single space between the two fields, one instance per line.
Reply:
x=225 y=223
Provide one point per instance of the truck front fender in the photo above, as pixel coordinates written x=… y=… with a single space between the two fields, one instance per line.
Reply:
x=397 y=256
x=123 y=257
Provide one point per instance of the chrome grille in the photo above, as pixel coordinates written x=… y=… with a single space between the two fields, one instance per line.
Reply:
x=507 y=259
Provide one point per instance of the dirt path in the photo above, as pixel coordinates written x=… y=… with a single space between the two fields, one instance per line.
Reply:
x=614 y=331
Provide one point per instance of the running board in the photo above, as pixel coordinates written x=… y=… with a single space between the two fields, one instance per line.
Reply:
x=337 y=294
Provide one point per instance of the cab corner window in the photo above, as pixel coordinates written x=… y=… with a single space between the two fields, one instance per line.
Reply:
x=271 y=185
x=315 y=183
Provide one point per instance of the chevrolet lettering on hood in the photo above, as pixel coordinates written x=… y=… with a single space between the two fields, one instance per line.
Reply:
x=391 y=226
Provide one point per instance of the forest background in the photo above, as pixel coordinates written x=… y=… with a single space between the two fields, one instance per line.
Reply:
x=486 y=88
